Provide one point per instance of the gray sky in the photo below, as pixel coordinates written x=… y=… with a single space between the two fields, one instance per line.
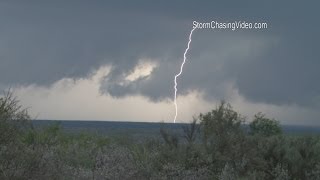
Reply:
x=115 y=60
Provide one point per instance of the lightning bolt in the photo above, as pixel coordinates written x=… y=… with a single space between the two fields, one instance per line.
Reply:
x=177 y=75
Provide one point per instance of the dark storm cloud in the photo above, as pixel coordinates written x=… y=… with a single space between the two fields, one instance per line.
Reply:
x=43 y=42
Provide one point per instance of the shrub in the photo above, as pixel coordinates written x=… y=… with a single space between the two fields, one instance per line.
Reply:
x=190 y=131
x=264 y=126
x=220 y=123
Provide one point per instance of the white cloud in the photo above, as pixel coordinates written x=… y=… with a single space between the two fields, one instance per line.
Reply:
x=67 y=99
x=143 y=69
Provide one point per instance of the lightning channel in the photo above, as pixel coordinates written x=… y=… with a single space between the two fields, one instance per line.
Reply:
x=177 y=75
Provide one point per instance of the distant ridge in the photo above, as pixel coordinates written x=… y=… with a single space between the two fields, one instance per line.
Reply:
x=147 y=126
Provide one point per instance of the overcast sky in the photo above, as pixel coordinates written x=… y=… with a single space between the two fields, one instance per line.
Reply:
x=115 y=60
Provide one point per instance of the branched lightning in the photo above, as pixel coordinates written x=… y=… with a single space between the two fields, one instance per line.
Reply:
x=180 y=72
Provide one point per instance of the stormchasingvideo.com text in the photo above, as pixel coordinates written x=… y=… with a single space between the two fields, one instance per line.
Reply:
x=230 y=25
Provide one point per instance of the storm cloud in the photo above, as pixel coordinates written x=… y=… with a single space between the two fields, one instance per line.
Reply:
x=42 y=42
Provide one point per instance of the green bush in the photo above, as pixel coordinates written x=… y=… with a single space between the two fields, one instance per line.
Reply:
x=219 y=147
x=264 y=126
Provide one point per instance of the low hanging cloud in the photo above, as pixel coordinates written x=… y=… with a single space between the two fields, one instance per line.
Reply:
x=67 y=99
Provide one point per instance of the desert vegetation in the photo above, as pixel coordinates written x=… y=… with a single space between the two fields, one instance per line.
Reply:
x=215 y=145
